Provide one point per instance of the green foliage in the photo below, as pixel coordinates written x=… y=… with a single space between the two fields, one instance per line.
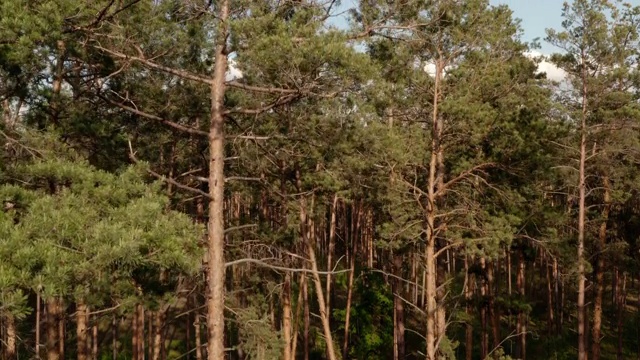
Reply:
x=78 y=232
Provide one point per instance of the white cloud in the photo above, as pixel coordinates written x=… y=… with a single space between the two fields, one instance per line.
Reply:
x=553 y=72
x=233 y=73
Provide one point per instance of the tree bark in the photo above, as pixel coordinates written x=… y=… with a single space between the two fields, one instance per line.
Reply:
x=398 y=310
x=38 y=315
x=10 y=350
x=621 y=313
x=484 y=334
x=286 y=317
x=347 y=319
x=94 y=340
x=468 y=295
x=599 y=268
x=215 y=238
x=522 y=316
x=158 y=331
x=494 y=315
x=53 y=316
x=430 y=236
x=196 y=334
x=332 y=245
x=307 y=318
x=81 y=330
x=550 y=304
x=582 y=321
x=308 y=236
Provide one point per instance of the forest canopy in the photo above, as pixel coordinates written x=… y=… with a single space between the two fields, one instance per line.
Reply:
x=244 y=179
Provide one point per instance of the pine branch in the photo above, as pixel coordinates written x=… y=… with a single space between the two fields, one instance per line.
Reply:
x=167 y=179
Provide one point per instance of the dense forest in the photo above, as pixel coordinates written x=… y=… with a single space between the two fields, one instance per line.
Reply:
x=284 y=179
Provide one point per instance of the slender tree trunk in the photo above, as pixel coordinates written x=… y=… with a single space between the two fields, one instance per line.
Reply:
x=494 y=316
x=347 y=319
x=599 y=268
x=38 y=315
x=550 y=314
x=114 y=341
x=61 y=328
x=296 y=322
x=308 y=236
x=286 y=316
x=134 y=335
x=398 y=310
x=216 y=246
x=522 y=316
x=81 y=330
x=468 y=295
x=582 y=321
x=10 y=350
x=196 y=334
x=53 y=316
x=332 y=245
x=94 y=339
x=430 y=236
x=621 y=313
x=158 y=338
x=307 y=318
x=484 y=334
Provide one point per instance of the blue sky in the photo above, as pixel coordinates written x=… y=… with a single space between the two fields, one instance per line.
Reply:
x=536 y=16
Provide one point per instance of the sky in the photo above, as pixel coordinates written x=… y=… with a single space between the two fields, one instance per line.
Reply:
x=535 y=15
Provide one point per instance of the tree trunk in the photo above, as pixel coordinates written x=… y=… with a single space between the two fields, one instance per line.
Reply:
x=468 y=295
x=158 y=331
x=38 y=315
x=582 y=321
x=94 y=339
x=10 y=350
x=296 y=322
x=522 y=316
x=494 y=315
x=53 y=316
x=307 y=318
x=621 y=313
x=430 y=236
x=215 y=238
x=599 y=268
x=308 y=236
x=137 y=340
x=347 y=319
x=332 y=245
x=484 y=334
x=286 y=316
x=114 y=342
x=196 y=334
x=81 y=330
x=398 y=310
x=550 y=314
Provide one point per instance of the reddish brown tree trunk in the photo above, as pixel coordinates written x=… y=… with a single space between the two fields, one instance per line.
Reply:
x=398 y=310
x=484 y=337
x=522 y=316
x=599 y=268
x=621 y=313
x=286 y=317
x=582 y=320
x=550 y=306
x=81 y=330
x=468 y=294
x=10 y=350
x=216 y=238
x=53 y=317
